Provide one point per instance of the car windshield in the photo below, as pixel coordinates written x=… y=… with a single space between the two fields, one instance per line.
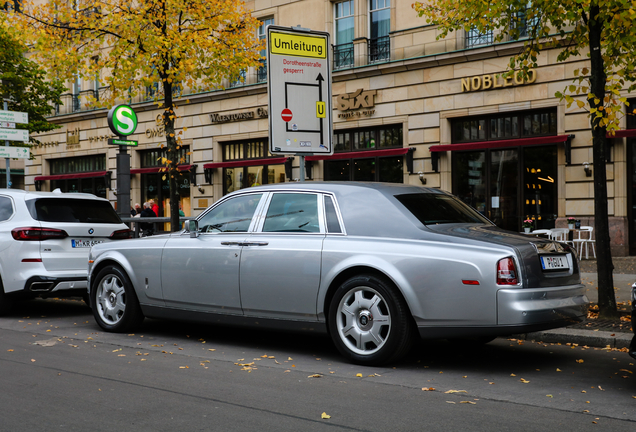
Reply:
x=72 y=210
x=434 y=208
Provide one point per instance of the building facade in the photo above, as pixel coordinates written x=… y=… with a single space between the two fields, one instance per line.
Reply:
x=407 y=108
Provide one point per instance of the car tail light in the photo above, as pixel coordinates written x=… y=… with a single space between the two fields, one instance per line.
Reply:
x=37 y=234
x=120 y=234
x=507 y=272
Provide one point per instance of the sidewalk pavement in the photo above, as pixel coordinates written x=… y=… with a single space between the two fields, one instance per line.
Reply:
x=595 y=332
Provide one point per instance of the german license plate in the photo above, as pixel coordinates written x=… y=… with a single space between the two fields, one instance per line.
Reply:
x=85 y=243
x=557 y=262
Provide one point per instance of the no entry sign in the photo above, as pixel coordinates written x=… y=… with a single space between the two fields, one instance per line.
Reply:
x=299 y=87
x=286 y=115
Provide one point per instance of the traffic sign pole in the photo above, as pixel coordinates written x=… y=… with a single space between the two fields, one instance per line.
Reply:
x=122 y=121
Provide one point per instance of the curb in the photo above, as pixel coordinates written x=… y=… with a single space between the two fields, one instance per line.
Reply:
x=591 y=338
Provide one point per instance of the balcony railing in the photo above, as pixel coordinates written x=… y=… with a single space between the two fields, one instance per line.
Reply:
x=343 y=56
x=475 y=38
x=261 y=73
x=380 y=49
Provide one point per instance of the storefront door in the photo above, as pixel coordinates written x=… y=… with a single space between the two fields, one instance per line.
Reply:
x=509 y=185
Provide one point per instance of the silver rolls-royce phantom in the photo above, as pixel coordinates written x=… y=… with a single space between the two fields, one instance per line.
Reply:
x=372 y=264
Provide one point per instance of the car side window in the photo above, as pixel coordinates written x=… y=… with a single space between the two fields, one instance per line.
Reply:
x=233 y=215
x=6 y=208
x=292 y=212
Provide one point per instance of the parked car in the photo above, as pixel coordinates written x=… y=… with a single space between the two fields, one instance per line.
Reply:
x=372 y=264
x=45 y=238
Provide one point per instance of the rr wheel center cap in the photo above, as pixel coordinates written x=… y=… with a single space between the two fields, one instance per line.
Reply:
x=365 y=320
x=112 y=298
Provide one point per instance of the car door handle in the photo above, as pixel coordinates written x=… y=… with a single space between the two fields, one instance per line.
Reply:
x=258 y=243
x=226 y=243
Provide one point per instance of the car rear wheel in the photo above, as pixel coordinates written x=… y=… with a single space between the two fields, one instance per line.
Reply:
x=116 y=307
x=369 y=321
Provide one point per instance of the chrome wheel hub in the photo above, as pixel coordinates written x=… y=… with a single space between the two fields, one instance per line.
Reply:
x=363 y=320
x=111 y=299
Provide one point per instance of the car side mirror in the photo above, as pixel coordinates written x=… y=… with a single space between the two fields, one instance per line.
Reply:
x=193 y=228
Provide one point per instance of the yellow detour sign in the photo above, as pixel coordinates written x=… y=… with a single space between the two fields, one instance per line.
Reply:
x=298 y=45
x=299 y=91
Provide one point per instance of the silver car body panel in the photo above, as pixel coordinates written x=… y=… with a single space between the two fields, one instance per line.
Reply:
x=446 y=273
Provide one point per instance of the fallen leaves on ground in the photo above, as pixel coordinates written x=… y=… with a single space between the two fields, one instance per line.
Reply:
x=315 y=376
x=428 y=388
x=325 y=416
x=456 y=391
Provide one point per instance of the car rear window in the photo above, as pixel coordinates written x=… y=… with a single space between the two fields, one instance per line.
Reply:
x=72 y=210
x=431 y=209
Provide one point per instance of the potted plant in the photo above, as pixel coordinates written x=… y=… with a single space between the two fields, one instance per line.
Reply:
x=527 y=225
x=571 y=222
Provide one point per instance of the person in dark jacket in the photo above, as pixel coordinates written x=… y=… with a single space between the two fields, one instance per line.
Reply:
x=147 y=228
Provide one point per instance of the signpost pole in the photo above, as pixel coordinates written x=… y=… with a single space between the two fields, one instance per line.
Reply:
x=7 y=160
x=301 y=159
x=123 y=181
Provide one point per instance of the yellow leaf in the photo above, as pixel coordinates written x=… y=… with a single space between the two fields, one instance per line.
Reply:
x=580 y=361
x=359 y=375
x=468 y=402
x=456 y=391
x=549 y=396
x=513 y=375
x=315 y=376
x=325 y=416
x=524 y=381
x=428 y=389
x=10 y=350
x=558 y=370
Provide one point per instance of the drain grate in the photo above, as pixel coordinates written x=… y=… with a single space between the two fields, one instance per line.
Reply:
x=604 y=325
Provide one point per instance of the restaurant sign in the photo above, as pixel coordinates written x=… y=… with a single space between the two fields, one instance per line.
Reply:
x=494 y=81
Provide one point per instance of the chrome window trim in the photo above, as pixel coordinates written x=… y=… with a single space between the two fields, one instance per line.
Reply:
x=258 y=228
x=343 y=231
x=226 y=198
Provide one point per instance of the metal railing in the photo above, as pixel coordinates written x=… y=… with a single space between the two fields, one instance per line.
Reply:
x=380 y=49
x=343 y=56
x=135 y=222
x=475 y=38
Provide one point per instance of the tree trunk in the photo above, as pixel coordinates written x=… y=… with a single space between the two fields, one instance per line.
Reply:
x=172 y=154
x=606 y=296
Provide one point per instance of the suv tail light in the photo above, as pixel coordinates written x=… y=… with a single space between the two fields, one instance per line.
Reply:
x=37 y=234
x=120 y=234
x=507 y=272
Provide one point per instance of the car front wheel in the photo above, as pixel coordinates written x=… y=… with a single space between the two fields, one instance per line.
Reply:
x=115 y=304
x=369 y=321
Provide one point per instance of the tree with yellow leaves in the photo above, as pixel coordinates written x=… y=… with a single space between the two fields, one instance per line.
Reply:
x=173 y=45
x=604 y=31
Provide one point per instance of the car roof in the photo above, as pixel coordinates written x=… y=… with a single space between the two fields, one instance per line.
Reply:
x=367 y=208
x=349 y=186
x=29 y=195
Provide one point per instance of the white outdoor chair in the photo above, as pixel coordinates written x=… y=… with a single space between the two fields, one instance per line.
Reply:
x=559 y=234
x=545 y=232
x=585 y=239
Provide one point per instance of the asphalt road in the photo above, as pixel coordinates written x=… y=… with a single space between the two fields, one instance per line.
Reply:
x=59 y=372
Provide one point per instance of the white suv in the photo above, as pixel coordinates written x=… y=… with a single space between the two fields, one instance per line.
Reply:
x=45 y=238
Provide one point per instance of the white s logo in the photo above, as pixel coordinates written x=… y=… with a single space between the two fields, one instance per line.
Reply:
x=125 y=123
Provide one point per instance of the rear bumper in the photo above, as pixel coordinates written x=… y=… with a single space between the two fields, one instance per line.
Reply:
x=536 y=306
x=523 y=311
x=48 y=284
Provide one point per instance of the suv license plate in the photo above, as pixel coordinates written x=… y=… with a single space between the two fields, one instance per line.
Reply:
x=559 y=262
x=85 y=243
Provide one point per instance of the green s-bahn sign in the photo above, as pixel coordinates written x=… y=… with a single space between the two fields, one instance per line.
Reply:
x=122 y=120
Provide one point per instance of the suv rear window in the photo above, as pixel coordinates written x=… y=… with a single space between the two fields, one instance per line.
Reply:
x=72 y=210
x=431 y=209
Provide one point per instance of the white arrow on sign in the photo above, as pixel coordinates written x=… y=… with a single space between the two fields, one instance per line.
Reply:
x=14 y=152
x=14 y=135
x=14 y=116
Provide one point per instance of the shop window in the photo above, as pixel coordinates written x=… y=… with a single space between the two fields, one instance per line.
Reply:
x=504 y=126
x=252 y=174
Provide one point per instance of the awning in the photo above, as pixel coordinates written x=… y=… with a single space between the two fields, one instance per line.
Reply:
x=360 y=154
x=626 y=133
x=156 y=169
x=250 y=162
x=500 y=143
x=72 y=176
